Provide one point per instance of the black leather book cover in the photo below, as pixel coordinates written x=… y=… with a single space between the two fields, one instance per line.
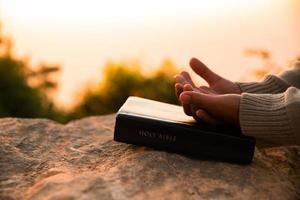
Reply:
x=165 y=126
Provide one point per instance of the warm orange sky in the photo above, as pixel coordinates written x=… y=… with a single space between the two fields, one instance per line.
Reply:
x=83 y=35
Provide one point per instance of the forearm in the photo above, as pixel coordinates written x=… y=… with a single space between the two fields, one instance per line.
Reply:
x=274 y=118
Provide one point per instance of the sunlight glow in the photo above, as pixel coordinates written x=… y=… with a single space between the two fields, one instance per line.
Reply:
x=81 y=35
x=118 y=10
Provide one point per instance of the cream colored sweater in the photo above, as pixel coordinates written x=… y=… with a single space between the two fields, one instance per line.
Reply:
x=270 y=110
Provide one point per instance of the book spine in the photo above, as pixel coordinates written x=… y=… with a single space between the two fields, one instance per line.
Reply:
x=173 y=137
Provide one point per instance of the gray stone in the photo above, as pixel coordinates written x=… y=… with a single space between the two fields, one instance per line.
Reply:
x=41 y=159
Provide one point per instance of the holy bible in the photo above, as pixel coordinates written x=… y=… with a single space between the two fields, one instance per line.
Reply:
x=165 y=126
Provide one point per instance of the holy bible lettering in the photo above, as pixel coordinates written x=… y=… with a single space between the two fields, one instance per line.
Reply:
x=160 y=136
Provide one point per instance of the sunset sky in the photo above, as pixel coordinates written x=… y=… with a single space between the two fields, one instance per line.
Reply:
x=82 y=35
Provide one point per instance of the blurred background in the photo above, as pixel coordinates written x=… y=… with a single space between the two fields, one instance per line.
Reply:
x=63 y=59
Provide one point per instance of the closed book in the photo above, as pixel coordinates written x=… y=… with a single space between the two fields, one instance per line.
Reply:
x=165 y=126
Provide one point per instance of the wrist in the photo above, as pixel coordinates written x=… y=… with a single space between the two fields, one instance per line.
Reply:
x=237 y=89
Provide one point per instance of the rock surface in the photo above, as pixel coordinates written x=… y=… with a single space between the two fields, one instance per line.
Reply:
x=40 y=159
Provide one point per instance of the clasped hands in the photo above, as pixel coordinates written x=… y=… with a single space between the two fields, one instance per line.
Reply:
x=217 y=103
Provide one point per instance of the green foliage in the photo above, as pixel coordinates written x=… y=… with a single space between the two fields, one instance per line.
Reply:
x=123 y=80
x=25 y=92
x=160 y=86
x=19 y=98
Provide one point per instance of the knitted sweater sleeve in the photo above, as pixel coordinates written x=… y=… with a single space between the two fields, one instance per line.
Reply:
x=273 y=118
x=270 y=110
x=274 y=84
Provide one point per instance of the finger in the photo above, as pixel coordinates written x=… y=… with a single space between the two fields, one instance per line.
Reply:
x=187 y=108
x=188 y=78
x=178 y=89
x=193 y=107
x=179 y=79
x=191 y=97
x=182 y=80
x=204 y=116
x=188 y=87
x=209 y=76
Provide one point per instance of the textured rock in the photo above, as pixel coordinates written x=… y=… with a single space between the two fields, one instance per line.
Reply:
x=40 y=159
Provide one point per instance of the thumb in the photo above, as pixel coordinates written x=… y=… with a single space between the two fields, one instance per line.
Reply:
x=201 y=99
x=201 y=69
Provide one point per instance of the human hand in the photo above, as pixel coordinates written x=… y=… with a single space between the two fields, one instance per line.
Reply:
x=213 y=108
x=217 y=84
